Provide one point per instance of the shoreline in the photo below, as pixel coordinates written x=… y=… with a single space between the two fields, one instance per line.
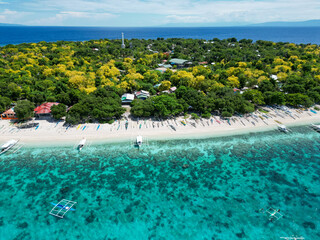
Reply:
x=54 y=133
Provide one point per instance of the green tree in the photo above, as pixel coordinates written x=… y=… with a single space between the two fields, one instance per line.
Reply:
x=296 y=99
x=166 y=105
x=24 y=109
x=142 y=108
x=271 y=98
x=4 y=103
x=254 y=96
x=58 y=111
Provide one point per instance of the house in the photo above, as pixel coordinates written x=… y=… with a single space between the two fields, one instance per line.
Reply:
x=9 y=115
x=165 y=91
x=180 y=63
x=236 y=90
x=173 y=89
x=44 y=110
x=142 y=94
x=167 y=66
x=127 y=98
x=161 y=69
x=274 y=77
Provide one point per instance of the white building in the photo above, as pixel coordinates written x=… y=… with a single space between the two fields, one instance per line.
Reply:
x=127 y=98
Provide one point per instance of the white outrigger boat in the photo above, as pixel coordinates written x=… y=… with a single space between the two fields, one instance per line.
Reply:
x=139 y=141
x=283 y=128
x=62 y=207
x=316 y=127
x=8 y=145
x=81 y=144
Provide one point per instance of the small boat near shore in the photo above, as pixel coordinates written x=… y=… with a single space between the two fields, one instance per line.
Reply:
x=173 y=128
x=7 y=146
x=81 y=144
x=283 y=128
x=313 y=111
x=315 y=127
x=139 y=141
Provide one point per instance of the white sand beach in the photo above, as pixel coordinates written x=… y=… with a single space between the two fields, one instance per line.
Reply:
x=57 y=133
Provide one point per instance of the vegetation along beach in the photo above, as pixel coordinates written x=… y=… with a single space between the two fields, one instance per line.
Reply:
x=159 y=139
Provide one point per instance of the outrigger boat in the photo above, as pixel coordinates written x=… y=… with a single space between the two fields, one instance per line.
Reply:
x=173 y=128
x=316 y=127
x=283 y=128
x=139 y=141
x=8 y=145
x=81 y=144
x=62 y=207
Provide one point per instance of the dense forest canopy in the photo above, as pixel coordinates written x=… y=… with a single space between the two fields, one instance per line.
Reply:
x=91 y=76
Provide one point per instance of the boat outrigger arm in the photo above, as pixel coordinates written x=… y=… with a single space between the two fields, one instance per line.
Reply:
x=62 y=207
x=274 y=214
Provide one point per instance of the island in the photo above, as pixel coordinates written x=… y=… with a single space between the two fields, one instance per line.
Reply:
x=242 y=84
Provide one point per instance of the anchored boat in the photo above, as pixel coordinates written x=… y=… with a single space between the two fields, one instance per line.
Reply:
x=139 y=141
x=316 y=127
x=283 y=128
x=81 y=144
x=7 y=146
x=62 y=207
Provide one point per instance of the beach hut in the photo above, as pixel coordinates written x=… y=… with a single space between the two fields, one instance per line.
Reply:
x=142 y=94
x=44 y=110
x=127 y=98
x=173 y=89
x=9 y=115
x=180 y=63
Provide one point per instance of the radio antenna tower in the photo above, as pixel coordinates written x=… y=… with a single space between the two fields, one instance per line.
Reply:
x=123 y=45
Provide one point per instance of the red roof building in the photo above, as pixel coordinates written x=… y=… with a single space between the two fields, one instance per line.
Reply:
x=9 y=115
x=45 y=108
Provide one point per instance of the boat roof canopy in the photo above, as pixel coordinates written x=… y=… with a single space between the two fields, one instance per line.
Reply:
x=7 y=144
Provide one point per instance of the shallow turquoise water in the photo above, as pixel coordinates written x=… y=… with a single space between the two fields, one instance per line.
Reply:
x=186 y=189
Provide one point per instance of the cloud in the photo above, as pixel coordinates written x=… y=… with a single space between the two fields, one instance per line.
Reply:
x=174 y=11
x=9 y=16
x=72 y=18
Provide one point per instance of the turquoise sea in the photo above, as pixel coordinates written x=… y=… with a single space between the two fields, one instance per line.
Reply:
x=178 y=189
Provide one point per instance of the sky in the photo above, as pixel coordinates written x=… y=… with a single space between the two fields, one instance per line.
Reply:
x=138 y=13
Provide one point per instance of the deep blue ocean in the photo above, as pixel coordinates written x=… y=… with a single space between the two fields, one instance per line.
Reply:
x=16 y=35
x=215 y=188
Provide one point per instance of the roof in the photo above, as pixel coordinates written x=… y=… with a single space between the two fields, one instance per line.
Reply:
x=142 y=92
x=127 y=97
x=161 y=69
x=9 y=111
x=167 y=66
x=178 y=61
x=274 y=77
x=45 y=108
x=173 y=89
